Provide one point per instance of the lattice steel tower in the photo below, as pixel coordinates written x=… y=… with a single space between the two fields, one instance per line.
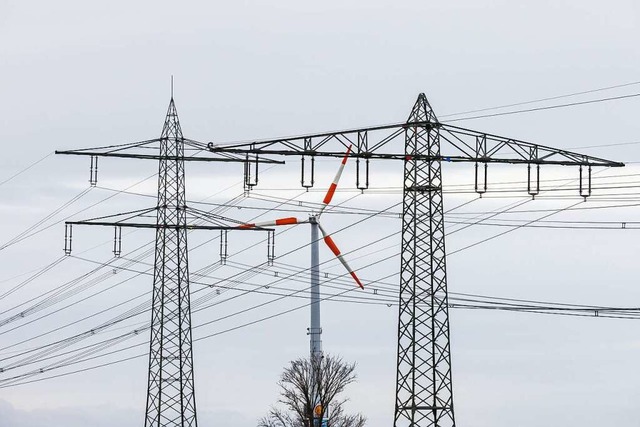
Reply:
x=424 y=391
x=424 y=394
x=170 y=394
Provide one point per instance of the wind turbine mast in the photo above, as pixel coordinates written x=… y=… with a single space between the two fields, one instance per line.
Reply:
x=315 y=330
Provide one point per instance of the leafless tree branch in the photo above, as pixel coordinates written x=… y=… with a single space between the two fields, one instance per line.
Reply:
x=307 y=381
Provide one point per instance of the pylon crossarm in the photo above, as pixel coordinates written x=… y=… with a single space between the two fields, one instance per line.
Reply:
x=224 y=157
x=386 y=142
x=120 y=147
x=195 y=219
x=479 y=146
x=142 y=149
x=162 y=226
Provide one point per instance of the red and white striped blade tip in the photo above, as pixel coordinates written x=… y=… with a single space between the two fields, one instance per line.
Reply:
x=281 y=221
x=353 y=274
x=334 y=248
x=334 y=184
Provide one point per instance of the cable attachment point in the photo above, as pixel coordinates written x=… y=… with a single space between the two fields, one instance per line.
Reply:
x=224 y=254
x=117 y=241
x=533 y=180
x=307 y=177
x=359 y=180
x=481 y=178
x=93 y=171
x=250 y=173
x=362 y=147
x=307 y=181
x=68 y=231
x=271 y=247
x=585 y=183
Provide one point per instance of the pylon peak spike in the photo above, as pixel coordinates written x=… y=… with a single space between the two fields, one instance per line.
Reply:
x=422 y=111
x=172 y=126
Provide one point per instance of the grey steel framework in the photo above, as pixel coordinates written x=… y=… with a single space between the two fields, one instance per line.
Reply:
x=424 y=392
x=170 y=394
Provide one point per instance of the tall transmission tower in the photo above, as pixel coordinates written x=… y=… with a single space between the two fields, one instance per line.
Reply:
x=424 y=390
x=171 y=381
x=171 y=391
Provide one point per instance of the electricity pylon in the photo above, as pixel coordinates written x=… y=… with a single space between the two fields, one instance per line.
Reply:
x=170 y=393
x=424 y=391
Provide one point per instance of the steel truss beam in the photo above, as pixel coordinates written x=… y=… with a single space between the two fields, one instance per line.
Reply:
x=139 y=150
x=382 y=142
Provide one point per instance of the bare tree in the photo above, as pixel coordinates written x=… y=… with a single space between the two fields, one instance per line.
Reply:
x=306 y=383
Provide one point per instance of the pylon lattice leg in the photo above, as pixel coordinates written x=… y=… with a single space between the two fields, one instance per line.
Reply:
x=170 y=394
x=424 y=394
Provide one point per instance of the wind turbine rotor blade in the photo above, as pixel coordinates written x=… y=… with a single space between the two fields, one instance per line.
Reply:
x=281 y=221
x=334 y=248
x=334 y=184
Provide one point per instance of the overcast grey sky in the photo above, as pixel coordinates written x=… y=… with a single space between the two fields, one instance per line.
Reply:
x=79 y=74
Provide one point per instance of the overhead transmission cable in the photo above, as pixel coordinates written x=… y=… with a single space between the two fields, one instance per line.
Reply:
x=23 y=170
x=147 y=252
x=548 y=107
x=262 y=319
x=288 y=295
x=29 y=231
x=467 y=202
x=551 y=98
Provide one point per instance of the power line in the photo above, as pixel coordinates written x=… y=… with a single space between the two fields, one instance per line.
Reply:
x=354 y=196
x=30 y=230
x=509 y=231
x=529 y=309
x=551 y=98
x=451 y=209
x=549 y=107
x=488 y=109
x=260 y=305
x=307 y=244
x=20 y=172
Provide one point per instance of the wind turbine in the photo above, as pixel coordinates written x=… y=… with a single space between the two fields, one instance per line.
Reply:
x=314 y=220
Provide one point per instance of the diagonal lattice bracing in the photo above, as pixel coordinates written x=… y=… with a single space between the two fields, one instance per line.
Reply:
x=424 y=395
x=171 y=395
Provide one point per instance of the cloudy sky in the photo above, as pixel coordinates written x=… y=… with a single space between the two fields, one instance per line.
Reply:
x=81 y=74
